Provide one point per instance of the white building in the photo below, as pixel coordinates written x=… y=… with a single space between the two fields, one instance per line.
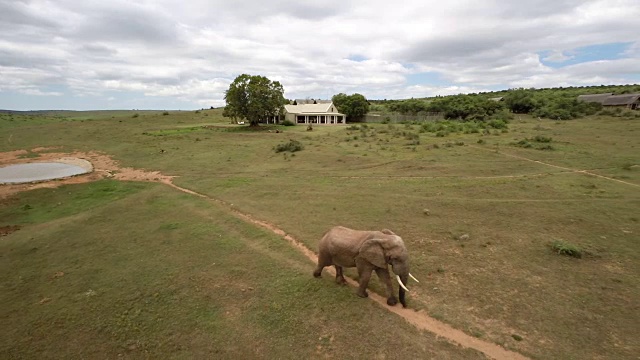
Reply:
x=321 y=114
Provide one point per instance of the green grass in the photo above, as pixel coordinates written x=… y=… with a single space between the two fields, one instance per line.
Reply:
x=504 y=281
x=133 y=277
x=45 y=205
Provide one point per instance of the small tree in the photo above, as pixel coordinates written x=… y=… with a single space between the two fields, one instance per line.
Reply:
x=254 y=98
x=354 y=106
x=520 y=101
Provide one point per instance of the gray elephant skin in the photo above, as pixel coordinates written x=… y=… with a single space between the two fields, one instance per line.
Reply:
x=368 y=251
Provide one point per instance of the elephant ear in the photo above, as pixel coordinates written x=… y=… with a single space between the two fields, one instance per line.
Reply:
x=371 y=250
x=387 y=231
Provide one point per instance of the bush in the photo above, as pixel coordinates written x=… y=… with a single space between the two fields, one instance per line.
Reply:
x=539 y=139
x=524 y=143
x=567 y=249
x=135 y=115
x=542 y=139
x=410 y=136
x=291 y=146
x=606 y=112
x=288 y=123
x=497 y=124
x=503 y=115
x=165 y=113
x=520 y=101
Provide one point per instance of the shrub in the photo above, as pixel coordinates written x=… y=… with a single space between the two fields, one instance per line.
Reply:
x=567 y=249
x=410 y=135
x=135 y=115
x=542 y=139
x=497 y=124
x=291 y=146
x=288 y=123
x=523 y=143
x=471 y=128
x=606 y=112
x=539 y=139
x=165 y=113
x=503 y=115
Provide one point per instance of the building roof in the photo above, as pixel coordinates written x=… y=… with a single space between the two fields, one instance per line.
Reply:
x=310 y=101
x=624 y=99
x=499 y=98
x=599 y=98
x=310 y=108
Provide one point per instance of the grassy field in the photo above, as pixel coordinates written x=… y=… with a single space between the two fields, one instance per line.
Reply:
x=138 y=259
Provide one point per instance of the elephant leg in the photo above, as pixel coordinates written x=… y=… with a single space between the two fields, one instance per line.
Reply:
x=324 y=259
x=339 y=276
x=383 y=274
x=364 y=273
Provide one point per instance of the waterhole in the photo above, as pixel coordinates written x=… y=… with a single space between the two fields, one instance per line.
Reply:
x=43 y=171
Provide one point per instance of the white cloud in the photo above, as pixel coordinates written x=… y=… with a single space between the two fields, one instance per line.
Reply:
x=167 y=48
x=38 y=92
x=557 y=56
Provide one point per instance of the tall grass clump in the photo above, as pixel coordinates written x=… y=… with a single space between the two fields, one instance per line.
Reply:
x=564 y=248
x=291 y=146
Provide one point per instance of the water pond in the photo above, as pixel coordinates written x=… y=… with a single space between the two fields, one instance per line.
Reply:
x=32 y=172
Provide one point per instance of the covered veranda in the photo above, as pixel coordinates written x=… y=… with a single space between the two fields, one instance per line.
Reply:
x=320 y=118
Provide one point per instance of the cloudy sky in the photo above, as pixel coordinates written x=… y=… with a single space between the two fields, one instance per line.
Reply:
x=170 y=54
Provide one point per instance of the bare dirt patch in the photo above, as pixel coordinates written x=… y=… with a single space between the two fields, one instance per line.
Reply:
x=6 y=230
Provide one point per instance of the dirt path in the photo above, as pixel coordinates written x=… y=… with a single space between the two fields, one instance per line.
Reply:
x=586 y=172
x=105 y=167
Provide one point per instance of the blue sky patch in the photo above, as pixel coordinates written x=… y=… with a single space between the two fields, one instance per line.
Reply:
x=356 y=57
x=610 y=51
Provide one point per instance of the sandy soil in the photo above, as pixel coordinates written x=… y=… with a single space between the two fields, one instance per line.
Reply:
x=105 y=167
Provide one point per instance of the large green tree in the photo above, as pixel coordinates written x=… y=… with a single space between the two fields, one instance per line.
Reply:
x=520 y=101
x=355 y=106
x=254 y=98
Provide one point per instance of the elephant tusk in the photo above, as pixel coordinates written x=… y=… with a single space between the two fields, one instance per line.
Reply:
x=400 y=282
x=413 y=278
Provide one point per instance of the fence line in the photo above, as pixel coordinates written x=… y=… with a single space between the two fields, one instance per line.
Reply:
x=400 y=118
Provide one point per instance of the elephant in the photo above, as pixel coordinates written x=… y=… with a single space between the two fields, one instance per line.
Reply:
x=367 y=251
